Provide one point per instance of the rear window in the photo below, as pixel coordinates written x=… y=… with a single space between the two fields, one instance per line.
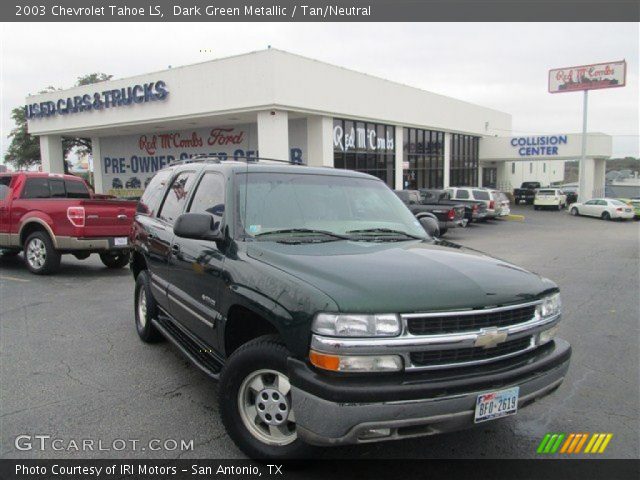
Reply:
x=4 y=186
x=152 y=195
x=36 y=188
x=76 y=189
x=546 y=192
x=481 y=195
x=462 y=194
x=57 y=189
x=618 y=203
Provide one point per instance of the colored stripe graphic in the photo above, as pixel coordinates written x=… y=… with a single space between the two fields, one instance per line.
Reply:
x=572 y=443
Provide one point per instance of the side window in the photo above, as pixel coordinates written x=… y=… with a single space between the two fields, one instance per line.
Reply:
x=209 y=197
x=37 y=187
x=4 y=186
x=57 y=188
x=591 y=202
x=152 y=196
x=462 y=194
x=76 y=189
x=176 y=197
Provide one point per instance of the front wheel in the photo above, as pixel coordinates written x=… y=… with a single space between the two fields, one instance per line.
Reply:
x=255 y=401
x=40 y=255
x=115 y=260
x=574 y=212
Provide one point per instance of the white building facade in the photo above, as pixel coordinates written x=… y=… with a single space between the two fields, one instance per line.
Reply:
x=274 y=104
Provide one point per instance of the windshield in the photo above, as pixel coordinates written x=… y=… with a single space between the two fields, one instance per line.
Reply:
x=546 y=192
x=326 y=205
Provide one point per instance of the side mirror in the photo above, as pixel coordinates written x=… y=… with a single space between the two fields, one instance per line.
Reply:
x=198 y=226
x=430 y=226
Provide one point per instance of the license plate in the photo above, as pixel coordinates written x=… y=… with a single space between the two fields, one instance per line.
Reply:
x=120 y=241
x=502 y=403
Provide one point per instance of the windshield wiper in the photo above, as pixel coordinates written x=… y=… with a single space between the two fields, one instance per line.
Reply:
x=304 y=230
x=385 y=230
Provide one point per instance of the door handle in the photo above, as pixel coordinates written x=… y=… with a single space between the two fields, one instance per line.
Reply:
x=175 y=249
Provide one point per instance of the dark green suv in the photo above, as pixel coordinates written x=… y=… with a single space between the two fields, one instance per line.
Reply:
x=327 y=313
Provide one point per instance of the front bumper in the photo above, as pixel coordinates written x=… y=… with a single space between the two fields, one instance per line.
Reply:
x=332 y=410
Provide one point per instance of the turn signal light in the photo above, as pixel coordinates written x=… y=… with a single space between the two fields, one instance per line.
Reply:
x=76 y=216
x=324 y=361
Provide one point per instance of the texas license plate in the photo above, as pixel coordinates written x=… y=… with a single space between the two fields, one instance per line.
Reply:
x=120 y=241
x=502 y=403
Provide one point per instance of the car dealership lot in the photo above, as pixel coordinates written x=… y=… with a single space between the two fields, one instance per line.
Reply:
x=73 y=367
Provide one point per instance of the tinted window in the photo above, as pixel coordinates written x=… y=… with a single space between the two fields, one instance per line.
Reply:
x=462 y=194
x=481 y=195
x=76 y=189
x=152 y=195
x=176 y=197
x=592 y=202
x=36 y=188
x=57 y=188
x=546 y=192
x=209 y=196
x=4 y=186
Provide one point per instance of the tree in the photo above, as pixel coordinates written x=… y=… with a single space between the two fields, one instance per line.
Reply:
x=24 y=149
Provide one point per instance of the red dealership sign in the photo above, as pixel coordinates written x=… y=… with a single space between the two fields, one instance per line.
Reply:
x=588 y=77
x=217 y=136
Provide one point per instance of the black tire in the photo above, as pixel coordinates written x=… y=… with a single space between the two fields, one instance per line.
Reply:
x=606 y=216
x=40 y=255
x=443 y=231
x=80 y=255
x=263 y=353
x=536 y=207
x=115 y=260
x=575 y=212
x=146 y=330
x=8 y=253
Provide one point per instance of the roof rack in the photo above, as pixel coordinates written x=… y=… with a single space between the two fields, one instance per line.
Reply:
x=206 y=158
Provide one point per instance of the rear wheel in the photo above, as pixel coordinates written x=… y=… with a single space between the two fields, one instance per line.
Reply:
x=255 y=401
x=40 y=255
x=574 y=212
x=115 y=260
x=146 y=309
x=605 y=216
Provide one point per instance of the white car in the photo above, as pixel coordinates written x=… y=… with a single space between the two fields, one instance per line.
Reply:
x=550 y=197
x=605 y=208
x=478 y=194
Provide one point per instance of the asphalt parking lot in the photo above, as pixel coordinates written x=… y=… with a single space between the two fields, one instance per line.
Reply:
x=73 y=368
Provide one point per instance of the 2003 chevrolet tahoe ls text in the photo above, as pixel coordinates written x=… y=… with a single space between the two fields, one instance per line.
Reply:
x=326 y=312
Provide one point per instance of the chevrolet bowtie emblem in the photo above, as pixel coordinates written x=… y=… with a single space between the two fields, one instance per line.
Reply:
x=489 y=338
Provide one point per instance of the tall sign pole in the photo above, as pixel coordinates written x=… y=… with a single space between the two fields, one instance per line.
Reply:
x=584 y=78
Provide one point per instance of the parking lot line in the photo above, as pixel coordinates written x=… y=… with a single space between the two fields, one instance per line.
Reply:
x=517 y=218
x=15 y=279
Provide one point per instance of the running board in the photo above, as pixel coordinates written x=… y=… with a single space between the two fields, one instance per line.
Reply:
x=199 y=355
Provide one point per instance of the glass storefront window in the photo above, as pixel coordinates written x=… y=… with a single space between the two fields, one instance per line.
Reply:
x=365 y=147
x=425 y=157
x=464 y=160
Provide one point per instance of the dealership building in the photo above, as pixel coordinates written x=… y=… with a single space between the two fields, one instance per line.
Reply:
x=274 y=104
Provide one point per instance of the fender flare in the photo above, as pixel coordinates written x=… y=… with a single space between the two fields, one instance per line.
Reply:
x=33 y=219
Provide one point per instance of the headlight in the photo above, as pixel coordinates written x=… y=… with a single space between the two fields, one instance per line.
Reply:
x=550 y=306
x=356 y=363
x=346 y=325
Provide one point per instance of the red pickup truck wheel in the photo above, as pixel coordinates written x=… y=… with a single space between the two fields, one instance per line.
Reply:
x=112 y=260
x=40 y=255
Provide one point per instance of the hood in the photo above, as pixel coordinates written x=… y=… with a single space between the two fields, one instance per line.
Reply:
x=404 y=277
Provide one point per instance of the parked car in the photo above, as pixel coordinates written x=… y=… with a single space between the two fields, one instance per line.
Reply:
x=473 y=211
x=449 y=216
x=605 y=208
x=550 y=198
x=116 y=183
x=328 y=315
x=476 y=194
x=634 y=204
x=48 y=215
x=571 y=192
x=503 y=205
x=526 y=193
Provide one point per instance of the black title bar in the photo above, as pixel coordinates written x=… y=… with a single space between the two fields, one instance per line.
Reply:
x=319 y=11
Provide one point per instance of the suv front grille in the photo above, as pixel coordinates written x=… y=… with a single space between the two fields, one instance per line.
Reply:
x=463 y=321
x=461 y=355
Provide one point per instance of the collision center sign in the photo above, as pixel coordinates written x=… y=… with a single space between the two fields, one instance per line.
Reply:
x=588 y=77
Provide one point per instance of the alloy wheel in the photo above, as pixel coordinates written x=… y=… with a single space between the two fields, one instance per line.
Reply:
x=264 y=402
x=36 y=253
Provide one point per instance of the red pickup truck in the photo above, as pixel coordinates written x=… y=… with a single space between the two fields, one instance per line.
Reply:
x=47 y=215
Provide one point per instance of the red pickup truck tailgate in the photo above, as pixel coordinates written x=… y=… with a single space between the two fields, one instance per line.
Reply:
x=107 y=218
